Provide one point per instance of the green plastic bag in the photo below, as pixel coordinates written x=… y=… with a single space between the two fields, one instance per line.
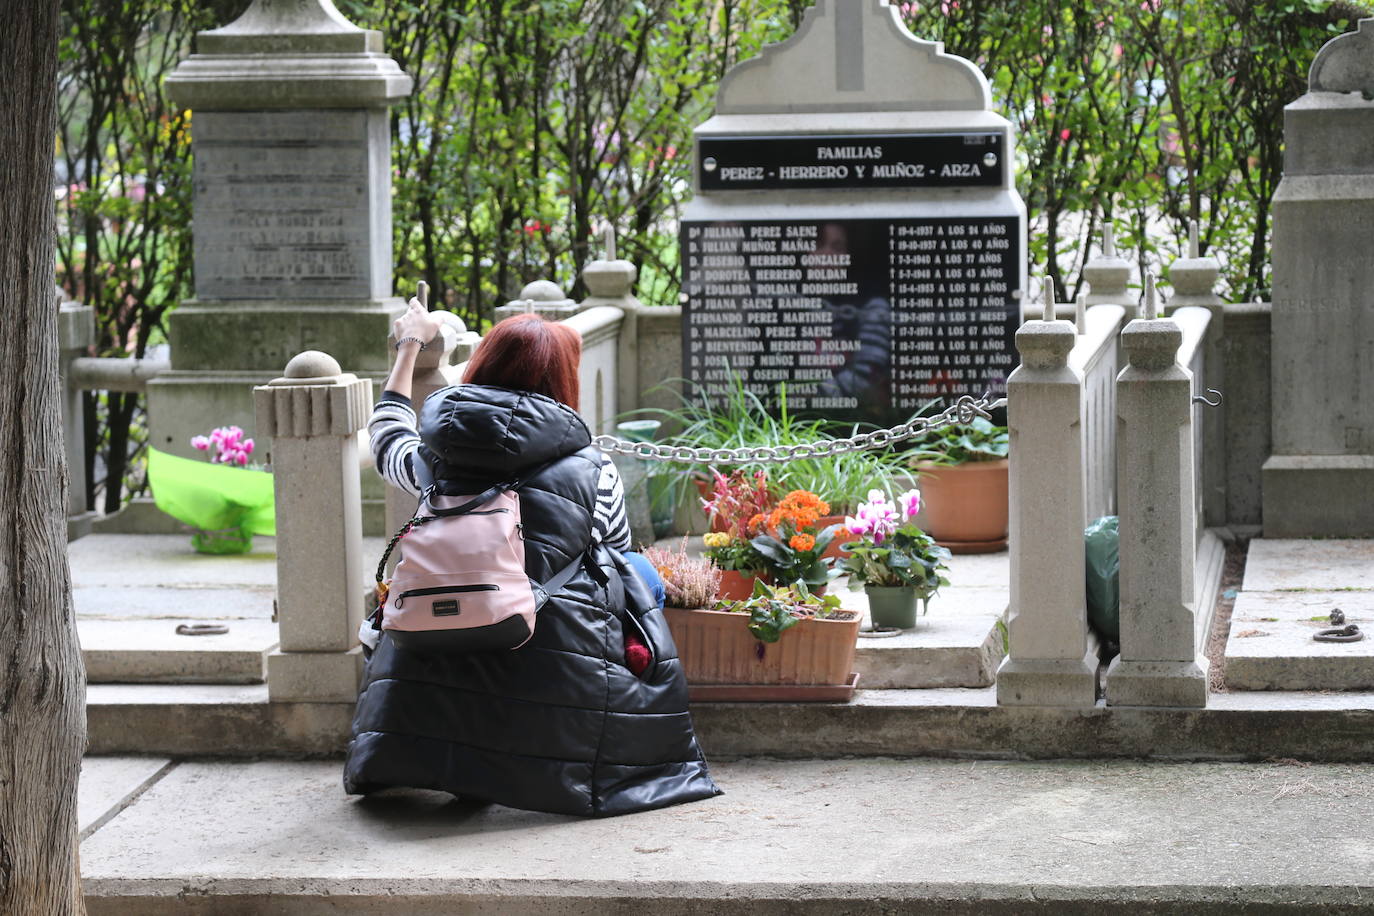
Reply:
x=229 y=505
x=1101 y=544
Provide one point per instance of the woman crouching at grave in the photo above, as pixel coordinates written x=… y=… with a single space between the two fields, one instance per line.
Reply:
x=589 y=715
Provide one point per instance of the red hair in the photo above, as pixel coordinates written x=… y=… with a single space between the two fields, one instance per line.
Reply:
x=529 y=353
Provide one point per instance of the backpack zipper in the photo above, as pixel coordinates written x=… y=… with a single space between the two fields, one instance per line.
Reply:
x=443 y=590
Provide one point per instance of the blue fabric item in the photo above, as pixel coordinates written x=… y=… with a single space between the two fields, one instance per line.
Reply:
x=645 y=570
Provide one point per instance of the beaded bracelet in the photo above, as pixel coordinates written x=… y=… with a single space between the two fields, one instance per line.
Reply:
x=423 y=344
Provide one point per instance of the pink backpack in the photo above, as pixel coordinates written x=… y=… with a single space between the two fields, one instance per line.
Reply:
x=460 y=585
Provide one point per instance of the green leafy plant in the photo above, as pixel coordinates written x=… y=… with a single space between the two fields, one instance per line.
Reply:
x=732 y=553
x=961 y=443
x=772 y=609
x=742 y=419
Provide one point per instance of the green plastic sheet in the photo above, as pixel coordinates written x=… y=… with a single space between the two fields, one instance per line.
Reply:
x=1101 y=547
x=213 y=497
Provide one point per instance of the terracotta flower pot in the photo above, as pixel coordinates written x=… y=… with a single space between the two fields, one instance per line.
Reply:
x=834 y=551
x=964 y=506
x=736 y=585
x=716 y=647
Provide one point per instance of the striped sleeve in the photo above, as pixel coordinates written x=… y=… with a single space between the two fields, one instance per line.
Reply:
x=395 y=443
x=609 y=523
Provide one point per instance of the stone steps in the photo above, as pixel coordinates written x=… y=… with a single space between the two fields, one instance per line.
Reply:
x=219 y=720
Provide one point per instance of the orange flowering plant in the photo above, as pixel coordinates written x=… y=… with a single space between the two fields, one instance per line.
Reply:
x=788 y=542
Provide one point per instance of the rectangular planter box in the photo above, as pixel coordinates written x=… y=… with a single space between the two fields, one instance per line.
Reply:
x=716 y=647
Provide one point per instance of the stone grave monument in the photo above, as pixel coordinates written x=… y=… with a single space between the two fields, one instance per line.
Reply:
x=292 y=211
x=1319 y=481
x=855 y=233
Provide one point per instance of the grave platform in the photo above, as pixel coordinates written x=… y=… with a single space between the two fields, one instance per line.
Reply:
x=1289 y=591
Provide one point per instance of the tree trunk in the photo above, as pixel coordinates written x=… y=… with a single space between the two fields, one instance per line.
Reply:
x=42 y=683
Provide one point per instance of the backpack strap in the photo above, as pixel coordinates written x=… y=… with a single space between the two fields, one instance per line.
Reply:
x=543 y=592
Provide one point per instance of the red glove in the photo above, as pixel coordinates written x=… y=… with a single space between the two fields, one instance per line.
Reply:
x=637 y=655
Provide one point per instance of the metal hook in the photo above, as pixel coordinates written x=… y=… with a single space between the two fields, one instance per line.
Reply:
x=1203 y=398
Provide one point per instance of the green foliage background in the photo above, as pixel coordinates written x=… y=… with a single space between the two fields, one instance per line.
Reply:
x=534 y=122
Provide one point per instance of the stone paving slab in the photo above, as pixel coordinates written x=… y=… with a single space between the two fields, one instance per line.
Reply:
x=151 y=651
x=109 y=783
x=1317 y=565
x=1270 y=646
x=168 y=561
x=114 y=602
x=815 y=836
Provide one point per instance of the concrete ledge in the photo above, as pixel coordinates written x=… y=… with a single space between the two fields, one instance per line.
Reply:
x=1271 y=647
x=210 y=720
x=239 y=722
x=503 y=897
x=150 y=651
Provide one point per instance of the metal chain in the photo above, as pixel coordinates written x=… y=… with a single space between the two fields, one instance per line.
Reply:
x=962 y=411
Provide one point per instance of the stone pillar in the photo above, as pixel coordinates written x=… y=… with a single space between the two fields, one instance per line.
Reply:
x=313 y=414
x=1053 y=656
x=1194 y=280
x=542 y=297
x=292 y=210
x=1317 y=481
x=1159 y=664
x=1107 y=276
x=75 y=335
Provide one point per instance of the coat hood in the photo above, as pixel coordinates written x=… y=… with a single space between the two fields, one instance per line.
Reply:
x=481 y=430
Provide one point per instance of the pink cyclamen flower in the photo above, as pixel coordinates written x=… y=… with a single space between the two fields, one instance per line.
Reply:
x=910 y=501
x=242 y=458
x=200 y=443
x=858 y=527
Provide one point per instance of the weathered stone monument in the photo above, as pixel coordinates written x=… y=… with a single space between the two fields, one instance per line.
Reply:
x=1320 y=477
x=292 y=210
x=855 y=233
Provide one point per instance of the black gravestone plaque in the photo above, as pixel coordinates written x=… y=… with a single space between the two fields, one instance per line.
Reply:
x=861 y=318
x=964 y=160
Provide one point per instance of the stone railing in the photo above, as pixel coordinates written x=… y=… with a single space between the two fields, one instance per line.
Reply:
x=1094 y=357
x=1089 y=441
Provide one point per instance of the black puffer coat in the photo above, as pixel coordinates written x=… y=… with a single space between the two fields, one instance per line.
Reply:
x=560 y=724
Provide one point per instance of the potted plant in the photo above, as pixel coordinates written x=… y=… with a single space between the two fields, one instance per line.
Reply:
x=789 y=543
x=963 y=474
x=894 y=561
x=688 y=582
x=781 y=636
x=736 y=561
x=736 y=505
